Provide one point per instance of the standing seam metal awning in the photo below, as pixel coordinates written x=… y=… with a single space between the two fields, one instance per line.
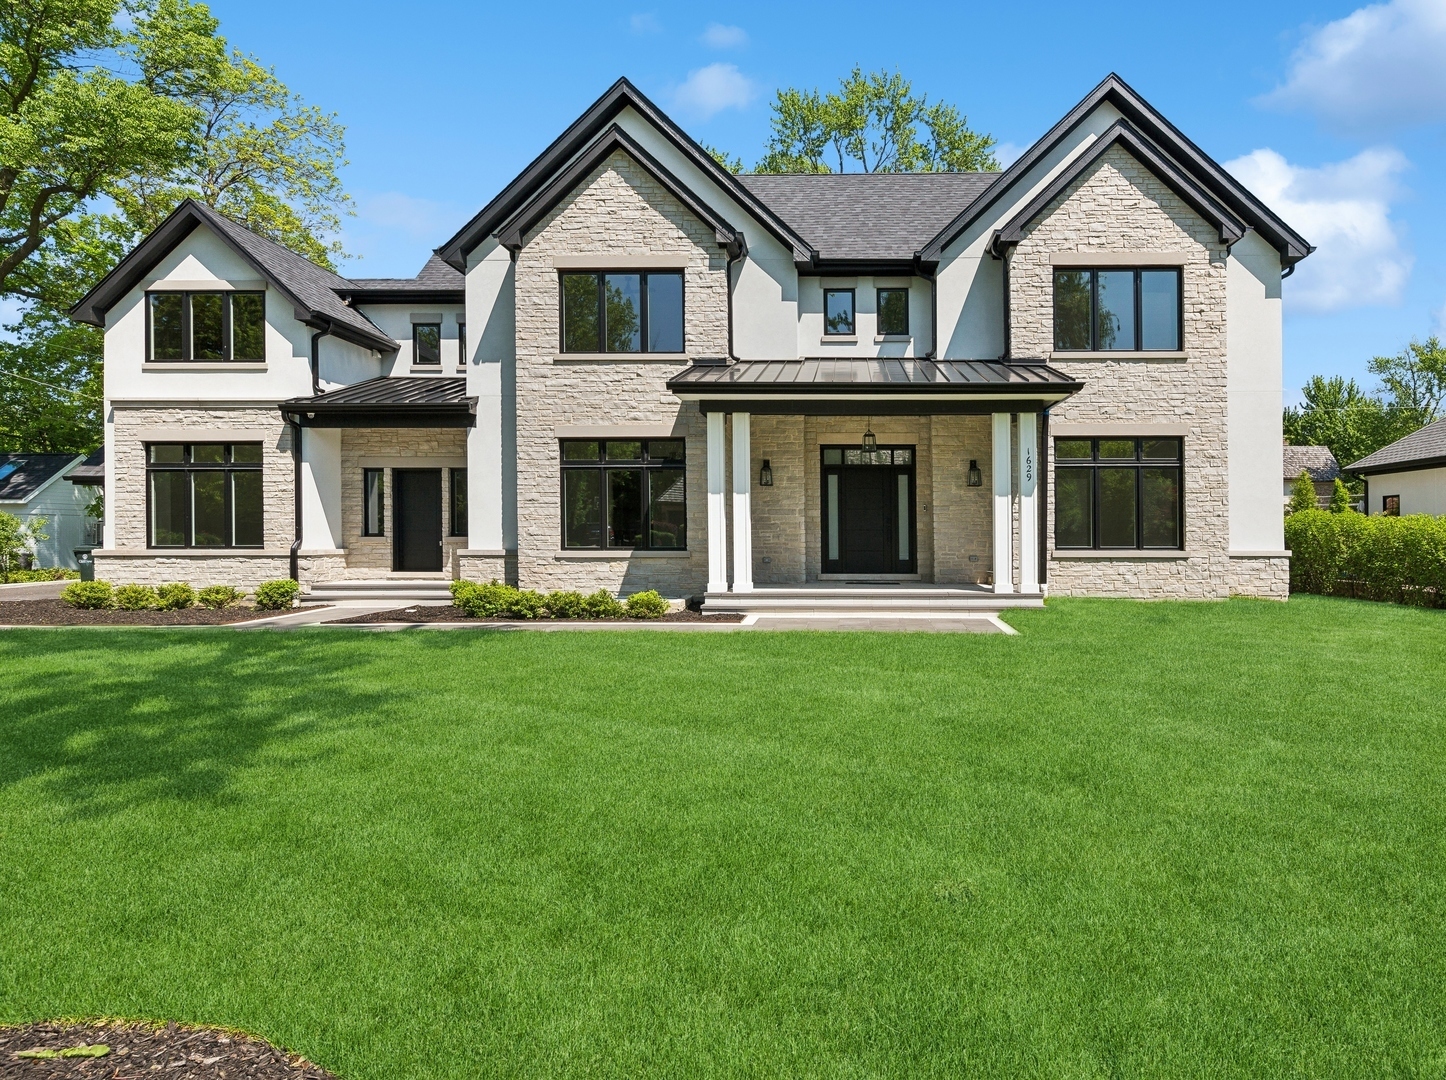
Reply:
x=390 y=401
x=882 y=384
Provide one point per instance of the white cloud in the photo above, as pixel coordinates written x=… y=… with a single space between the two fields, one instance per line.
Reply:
x=1007 y=153
x=1382 y=65
x=712 y=89
x=644 y=22
x=718 y=36
x=1345 y=210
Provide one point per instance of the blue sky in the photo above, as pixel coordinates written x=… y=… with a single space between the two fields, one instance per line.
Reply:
x=1333 y=112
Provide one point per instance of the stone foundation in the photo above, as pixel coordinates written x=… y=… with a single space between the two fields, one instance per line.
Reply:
x=1196 y=577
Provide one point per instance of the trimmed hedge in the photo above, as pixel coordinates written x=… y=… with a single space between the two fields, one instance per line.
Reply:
x=94 y=595
x=277 y=595
x=136 y=598
x=217 y=597
x=1396 y=559
x=497 y=601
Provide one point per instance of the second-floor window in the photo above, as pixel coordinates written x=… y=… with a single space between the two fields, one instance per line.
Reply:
x=205 y=326
x=893 y=312
x=622 y=312
x=426 y=343
x=838 y=312
x=1117 y=310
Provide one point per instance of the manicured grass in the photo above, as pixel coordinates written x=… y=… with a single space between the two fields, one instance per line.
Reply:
x=1138 y=840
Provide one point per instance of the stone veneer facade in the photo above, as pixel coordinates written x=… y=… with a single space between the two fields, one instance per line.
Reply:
x=1119 y=206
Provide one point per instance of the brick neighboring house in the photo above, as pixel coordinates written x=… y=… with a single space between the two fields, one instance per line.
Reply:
x=632 y=369
x=1316 y=461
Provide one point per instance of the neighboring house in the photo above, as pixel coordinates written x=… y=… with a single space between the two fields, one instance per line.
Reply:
x=31 y=487
x=1316 y=461
x=1409 y=476
x=632 y=369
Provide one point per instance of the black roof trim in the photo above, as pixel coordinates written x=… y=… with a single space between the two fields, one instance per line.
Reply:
x=620 y=95
x=388 y=401
x=1230 y=227
x=322 y=311
x=374 y=295
x=1229 y=191
x=861 y=268
x=533 y=210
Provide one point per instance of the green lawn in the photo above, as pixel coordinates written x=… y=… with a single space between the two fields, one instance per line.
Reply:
x=1149 y=840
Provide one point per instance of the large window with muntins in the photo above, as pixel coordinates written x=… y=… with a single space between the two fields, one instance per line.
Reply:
x=1118 y=493
x=1118 y=310
x=624 y=312
x=205 y=326
x=624 y=493
x=204 y=494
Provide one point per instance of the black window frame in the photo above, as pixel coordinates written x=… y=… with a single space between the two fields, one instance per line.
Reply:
x=187 y=466
x=1094 y=272
x=381 y=476
x=461 y=344
x=417 y=361
x=853 y=329
x=603 y=465
x=879 y=311
x=1095 y=463
x=188 y=350
x=456 y=480
x=644 y=315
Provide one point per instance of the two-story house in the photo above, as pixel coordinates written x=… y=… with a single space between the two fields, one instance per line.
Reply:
x=632 y=369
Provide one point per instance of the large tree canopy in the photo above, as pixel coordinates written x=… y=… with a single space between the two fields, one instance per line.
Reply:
x=872 y=123
x=111 y=113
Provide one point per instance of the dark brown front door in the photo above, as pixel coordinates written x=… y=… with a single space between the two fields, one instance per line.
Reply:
x=417 y=524
x=868 y=511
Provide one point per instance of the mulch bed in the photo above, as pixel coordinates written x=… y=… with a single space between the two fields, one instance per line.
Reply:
x=59 y=613
x=145 y=1050
x=423 y=613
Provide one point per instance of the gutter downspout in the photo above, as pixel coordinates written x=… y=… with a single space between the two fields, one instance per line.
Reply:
x=737 y=248
x=316 y=359
x=933 y=276
x=294 y=420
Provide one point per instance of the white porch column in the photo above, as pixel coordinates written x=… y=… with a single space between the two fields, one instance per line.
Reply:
x=1003 y=516
x=717 y=508
x=742 y=504
x=321 y=489
x=1028 y=504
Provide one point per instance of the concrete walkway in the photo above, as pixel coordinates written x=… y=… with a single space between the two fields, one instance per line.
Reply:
x=32 y=590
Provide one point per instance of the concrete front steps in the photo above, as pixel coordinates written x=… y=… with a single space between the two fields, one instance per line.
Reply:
x=865 y=601
x=401 y=589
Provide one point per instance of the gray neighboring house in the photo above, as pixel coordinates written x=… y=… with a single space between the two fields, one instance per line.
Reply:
x=1409 y=476
x=31 y=486
x=1318 y=463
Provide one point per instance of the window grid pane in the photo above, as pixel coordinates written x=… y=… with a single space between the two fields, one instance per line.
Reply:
x=1115 y=310
x=1072 y=309
x=642 y=505
x=248 y=326
x=580 y=315
x=582 y=508
x=208 y=326
x=167 y=326
x=665 y=312
x=623 y=312
x=1118 y=493
x=667 y=509
x=1160 y=310
x=246 y=502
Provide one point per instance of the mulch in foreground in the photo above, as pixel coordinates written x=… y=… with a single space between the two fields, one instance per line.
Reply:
x=426 y=613
x=146 y=1050
x=59 y=613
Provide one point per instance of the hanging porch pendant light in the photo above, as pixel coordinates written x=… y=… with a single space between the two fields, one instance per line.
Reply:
x=870 y=443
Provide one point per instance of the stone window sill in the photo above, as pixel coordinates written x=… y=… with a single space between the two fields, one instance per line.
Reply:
x=623 y=357
x=618 y=555
x=1120 y=554
x=426 y=369
x=1121 y=355
x=192 y=553
x=204 y=365
x=839 y=339
x=879 y=339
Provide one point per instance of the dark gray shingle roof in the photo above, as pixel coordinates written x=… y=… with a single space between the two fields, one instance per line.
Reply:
x=1317 y=461
x=435 y=276
x=29 y=474
x=91 y=471
x=1427 y=444
x=868 y=215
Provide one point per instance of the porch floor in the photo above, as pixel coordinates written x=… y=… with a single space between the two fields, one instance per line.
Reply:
x=874 y=600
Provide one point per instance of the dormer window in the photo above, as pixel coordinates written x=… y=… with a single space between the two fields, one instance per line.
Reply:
x=205 y=326
x=426 y=344
x=838 y=312
x=1117 y=310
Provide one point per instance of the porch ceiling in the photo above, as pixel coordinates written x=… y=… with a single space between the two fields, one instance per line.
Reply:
x=389 y=401
x=883 y=385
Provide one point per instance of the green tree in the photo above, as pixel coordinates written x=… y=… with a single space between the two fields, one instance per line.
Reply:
x=1338 y=414
x=1302 y=494
x=1340 y=497
x=731 y=164
x=873 y=123
x=1414 y=383
x=104 y=129
x=16 y=538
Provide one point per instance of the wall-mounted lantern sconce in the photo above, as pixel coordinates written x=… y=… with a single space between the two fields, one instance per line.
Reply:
x=765 y=475
x=870 y=442
x=976 y=478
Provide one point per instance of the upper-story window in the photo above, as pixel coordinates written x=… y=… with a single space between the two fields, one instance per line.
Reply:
x=1118 y=310
x=461 y=344
x=838 y=312
x=426 y=343
x=205 y=326
x=622 y=312
x=893 y=312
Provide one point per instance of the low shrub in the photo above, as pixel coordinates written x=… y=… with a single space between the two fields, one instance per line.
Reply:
x=45 y=573
x=276 y=595
x=563 y=605
x=1398 y=559
x=136 y=598
x=92 y=595
x=175 y=596
x=217 y=597
x=602 y=605
x=647 y=605
x=480 y=601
